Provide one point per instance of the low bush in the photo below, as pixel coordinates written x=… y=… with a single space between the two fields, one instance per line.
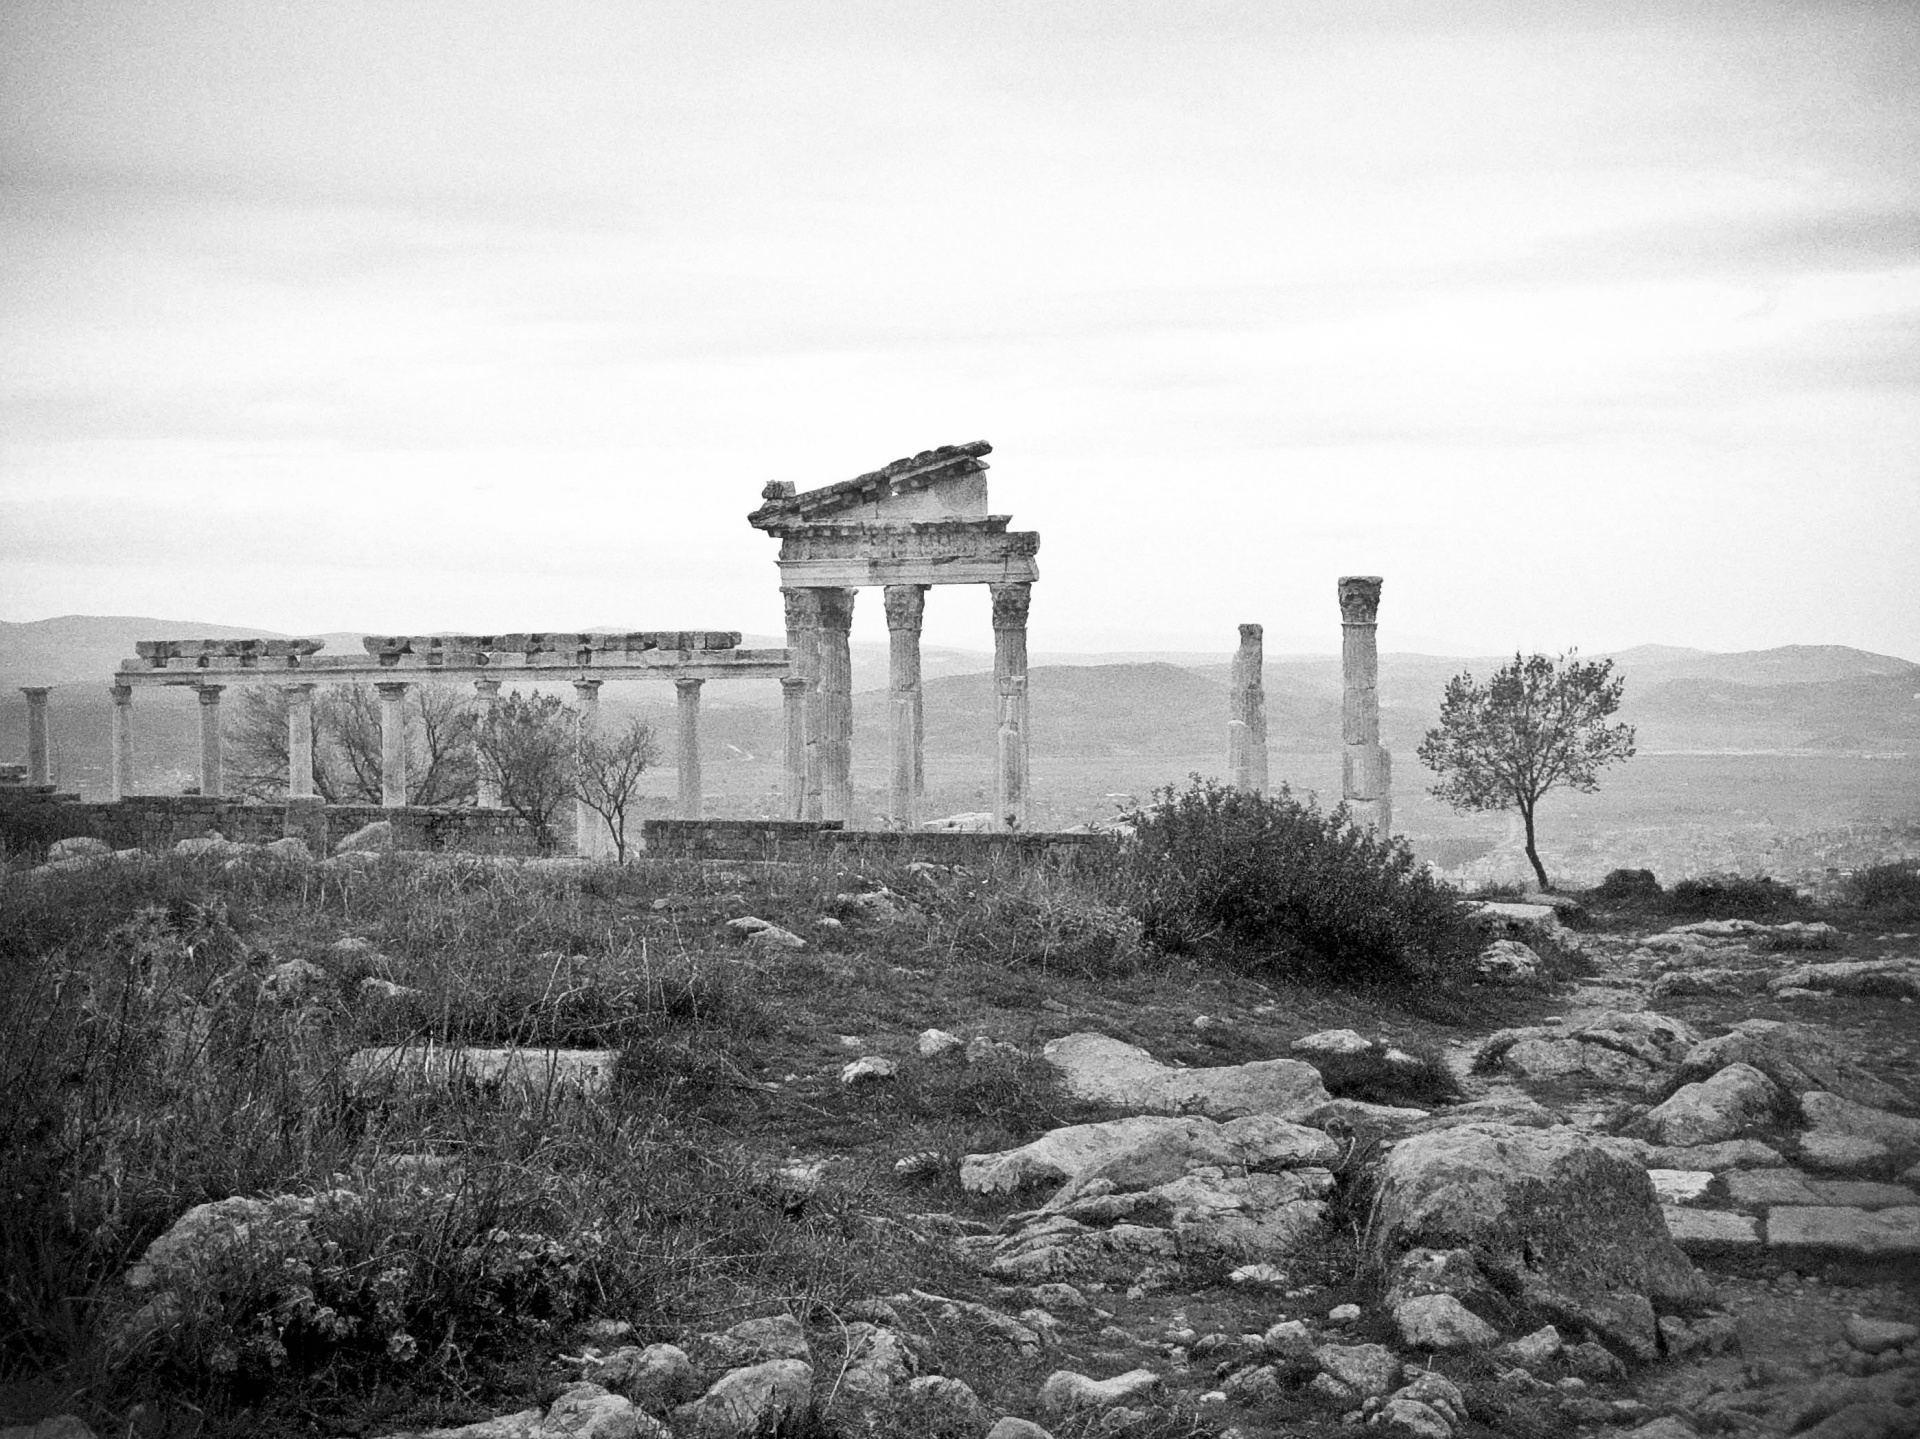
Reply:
x=1731 y=896
x=1295 y=887
x=1627 y=886
x=1887 y=891
x=1414 y=1075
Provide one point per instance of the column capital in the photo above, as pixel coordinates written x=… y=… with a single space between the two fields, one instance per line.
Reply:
x=122 y=694
x=304 y=690
x=1359 y=599
x=1252 y=634
x=588 y=689
x=209 y=694
x=794 y=684
x=1010 y=602
x=487 y=688
x=36 y=692
x=690 y=684
x=801 y=607
x=906 y=606
x=392 y=689
x=835 y=608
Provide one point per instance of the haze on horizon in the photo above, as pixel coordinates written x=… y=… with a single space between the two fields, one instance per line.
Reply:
x=1595 y=324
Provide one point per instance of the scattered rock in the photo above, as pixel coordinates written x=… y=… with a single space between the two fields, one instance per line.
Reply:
x=1797 y=1057
x=213 y=845
x=1145 y=1150
x=1831 y=1116
x=1065 y=1391
x=1330 y=1041
x=1110 y=1071
x=754 y=1400
x=947 y=1405
x=656 y=1378
x=1530 y=1351
x=1845 y=1230
x=1709 y=1231
x=1759 y=1187
x=1507 y=961
x=1440 y=1321
x=1711 y=1110
x=933 y=1043
x=1011 y=1428
x=1620 y=1047
x=1680 y=1186
x=1364 y=1369
x=1873 y=1336
x=869 y=1069
x=523 y=1073
x=1728 y=1154
x=1894 y=978
x=764 y=934
x=79 y=846
x=375 y=838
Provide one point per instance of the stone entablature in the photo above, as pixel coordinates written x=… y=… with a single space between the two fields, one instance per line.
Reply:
x=948 y=482
x=642 y=654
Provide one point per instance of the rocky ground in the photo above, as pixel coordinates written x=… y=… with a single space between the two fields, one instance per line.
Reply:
x=1677 y=1195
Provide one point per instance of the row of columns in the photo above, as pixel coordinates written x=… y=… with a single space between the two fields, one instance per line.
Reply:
x=393 y=742
x=817 y=704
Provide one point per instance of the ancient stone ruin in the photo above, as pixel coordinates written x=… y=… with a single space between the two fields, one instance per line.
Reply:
x=1366 y=770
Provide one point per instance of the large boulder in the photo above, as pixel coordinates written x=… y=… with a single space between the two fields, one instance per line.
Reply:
x=1110 y=1071
x=1145 y=1150
x=1797 y=1057
x=1553 y=1217
x=1713 y=1109
x=1626 y=1047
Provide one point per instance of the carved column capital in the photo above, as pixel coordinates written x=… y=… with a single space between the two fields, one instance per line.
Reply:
x=392 y=689
x=122 y=694
x=690 y=684
x=1252 y=634
x=835 y=608
x=906 y=606
x=1359 y=599
x=487 y=689
x=794 y=684
x=299 y=691
x=1010 y=604
x=802 y=608
x=588 y=690
x=209 y=694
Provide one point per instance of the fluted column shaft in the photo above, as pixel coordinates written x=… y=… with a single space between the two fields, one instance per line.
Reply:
x=793 y=711
x=1010 y=800
x=1247 y=714
x=39 y=753
x=213 y=777
x=836 y=707
x=122 y=740
x=393 y=743
x=804 y=800
x=906 y=607
x=299 y=741
x=692 y=799
x=591 y=838
x=486 y=784
x=1366 y=770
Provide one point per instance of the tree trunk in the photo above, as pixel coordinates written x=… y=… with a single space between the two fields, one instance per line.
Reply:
x=1533 y=855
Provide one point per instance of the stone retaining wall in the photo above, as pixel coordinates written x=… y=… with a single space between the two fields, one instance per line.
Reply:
x=763 y=839
x=156 y=822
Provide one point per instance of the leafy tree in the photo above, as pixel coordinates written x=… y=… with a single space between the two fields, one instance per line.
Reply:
x=1539 y=724
x=529 y=745
x=607 y=774
x=346 y=744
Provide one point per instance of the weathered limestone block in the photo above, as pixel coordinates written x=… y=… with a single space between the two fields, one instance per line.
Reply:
x=1098 y=1067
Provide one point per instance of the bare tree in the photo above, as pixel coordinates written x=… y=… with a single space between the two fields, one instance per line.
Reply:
x=607 y=775
x=346 y=744
x=528 y=743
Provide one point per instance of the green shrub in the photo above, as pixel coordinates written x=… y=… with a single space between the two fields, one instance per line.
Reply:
x=1217 y=869
x=1628 y=886
x=1888 y=891
x=1415 y=1075
x=1730 y=896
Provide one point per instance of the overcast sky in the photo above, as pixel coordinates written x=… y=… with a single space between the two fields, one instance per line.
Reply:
x=1583 y=324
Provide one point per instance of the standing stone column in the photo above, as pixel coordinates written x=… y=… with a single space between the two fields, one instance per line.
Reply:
x=793 y=710
x=836 y=707
x=122 y=740
x=692 y=801
x=39 y=757
x=486 y=784
x=590 y=837
x=1247 y=714
x=906 y=605
x=213 y=777
x=1366 y=770
x=299 y=741
x=803 y=653
x=393 y=743
x=1010 y=603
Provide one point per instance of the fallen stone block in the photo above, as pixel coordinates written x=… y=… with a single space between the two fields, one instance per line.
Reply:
x=1705 y=1231
x=1065 y=1391
x=1110 y=1071
x=1145 y=1150
x=1758 y=1187
x=1844 y=1230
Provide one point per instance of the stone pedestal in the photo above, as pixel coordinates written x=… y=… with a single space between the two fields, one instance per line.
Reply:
x=1366 y=770
x=591 y=839
x=906 y=605
x=122 y=781
x=1247 y=714
x=1010 y=802
x=793 y=716
x=39 y=752
x=836 y=704
x=393 y=744
x=687 y=754
x=486 y=790
x=213 y=777
x=299 y=741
